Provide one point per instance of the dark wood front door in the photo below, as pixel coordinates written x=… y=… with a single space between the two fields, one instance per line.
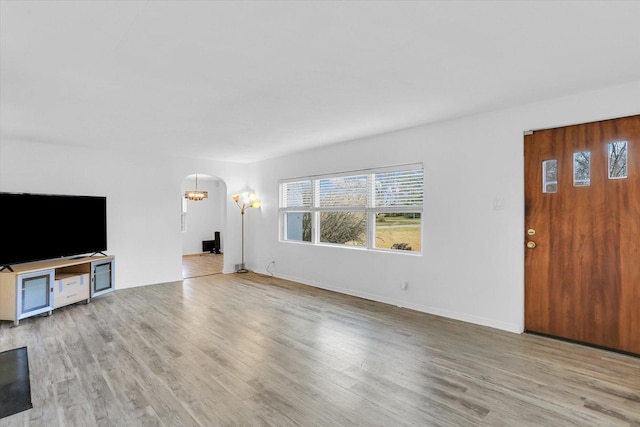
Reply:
x=582 y=233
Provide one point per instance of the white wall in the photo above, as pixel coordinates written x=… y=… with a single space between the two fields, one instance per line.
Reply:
x=143 y=200
x=472 y=265
x=204 y=217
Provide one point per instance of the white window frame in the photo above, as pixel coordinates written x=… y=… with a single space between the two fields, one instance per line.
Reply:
x=183 y=215
x=370 y=209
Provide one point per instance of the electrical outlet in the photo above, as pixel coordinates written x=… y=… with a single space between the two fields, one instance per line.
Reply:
x=405 y=285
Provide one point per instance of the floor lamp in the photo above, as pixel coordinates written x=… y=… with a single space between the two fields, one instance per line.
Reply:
x=249 y=200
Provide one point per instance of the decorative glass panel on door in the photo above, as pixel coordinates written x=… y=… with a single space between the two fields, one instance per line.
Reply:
x=617 y=159
x=582 y=169
x=550 y=176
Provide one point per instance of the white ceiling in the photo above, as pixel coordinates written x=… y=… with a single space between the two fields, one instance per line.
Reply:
x=249 y=80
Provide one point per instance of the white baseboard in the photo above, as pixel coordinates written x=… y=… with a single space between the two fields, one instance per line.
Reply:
x=464 y=317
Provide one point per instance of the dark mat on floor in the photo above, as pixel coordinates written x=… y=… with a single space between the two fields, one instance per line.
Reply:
x=15 y=388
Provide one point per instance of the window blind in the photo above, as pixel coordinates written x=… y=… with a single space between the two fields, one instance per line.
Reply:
x=343 y=192
x=399 y=188
x=296 y=194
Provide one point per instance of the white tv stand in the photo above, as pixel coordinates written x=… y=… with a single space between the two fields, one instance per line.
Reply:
x=40 y=287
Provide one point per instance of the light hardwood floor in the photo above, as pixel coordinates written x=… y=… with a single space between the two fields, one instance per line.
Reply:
x=202 y=265
x=243 y=349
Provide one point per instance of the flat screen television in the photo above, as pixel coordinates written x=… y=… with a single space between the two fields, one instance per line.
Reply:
x=37 y=227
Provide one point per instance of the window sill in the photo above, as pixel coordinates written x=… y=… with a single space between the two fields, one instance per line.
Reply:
x=356 y=248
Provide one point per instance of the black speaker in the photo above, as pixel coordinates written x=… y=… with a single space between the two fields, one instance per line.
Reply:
x=216 y=243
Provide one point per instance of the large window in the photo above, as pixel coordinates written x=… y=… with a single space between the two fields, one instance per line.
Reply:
x=377 y=209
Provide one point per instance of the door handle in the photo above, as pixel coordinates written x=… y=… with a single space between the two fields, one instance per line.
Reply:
x=531 y=244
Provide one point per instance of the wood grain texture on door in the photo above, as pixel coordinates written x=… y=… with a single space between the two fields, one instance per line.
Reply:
x=582 y=278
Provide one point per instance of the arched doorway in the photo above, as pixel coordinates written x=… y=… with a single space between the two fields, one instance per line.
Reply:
x=202 y=221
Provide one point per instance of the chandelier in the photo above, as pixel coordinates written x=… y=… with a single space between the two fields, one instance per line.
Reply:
x=195 y=194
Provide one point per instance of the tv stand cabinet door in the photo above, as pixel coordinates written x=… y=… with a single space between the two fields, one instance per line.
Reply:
x=34 y=293
x=102 y=277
